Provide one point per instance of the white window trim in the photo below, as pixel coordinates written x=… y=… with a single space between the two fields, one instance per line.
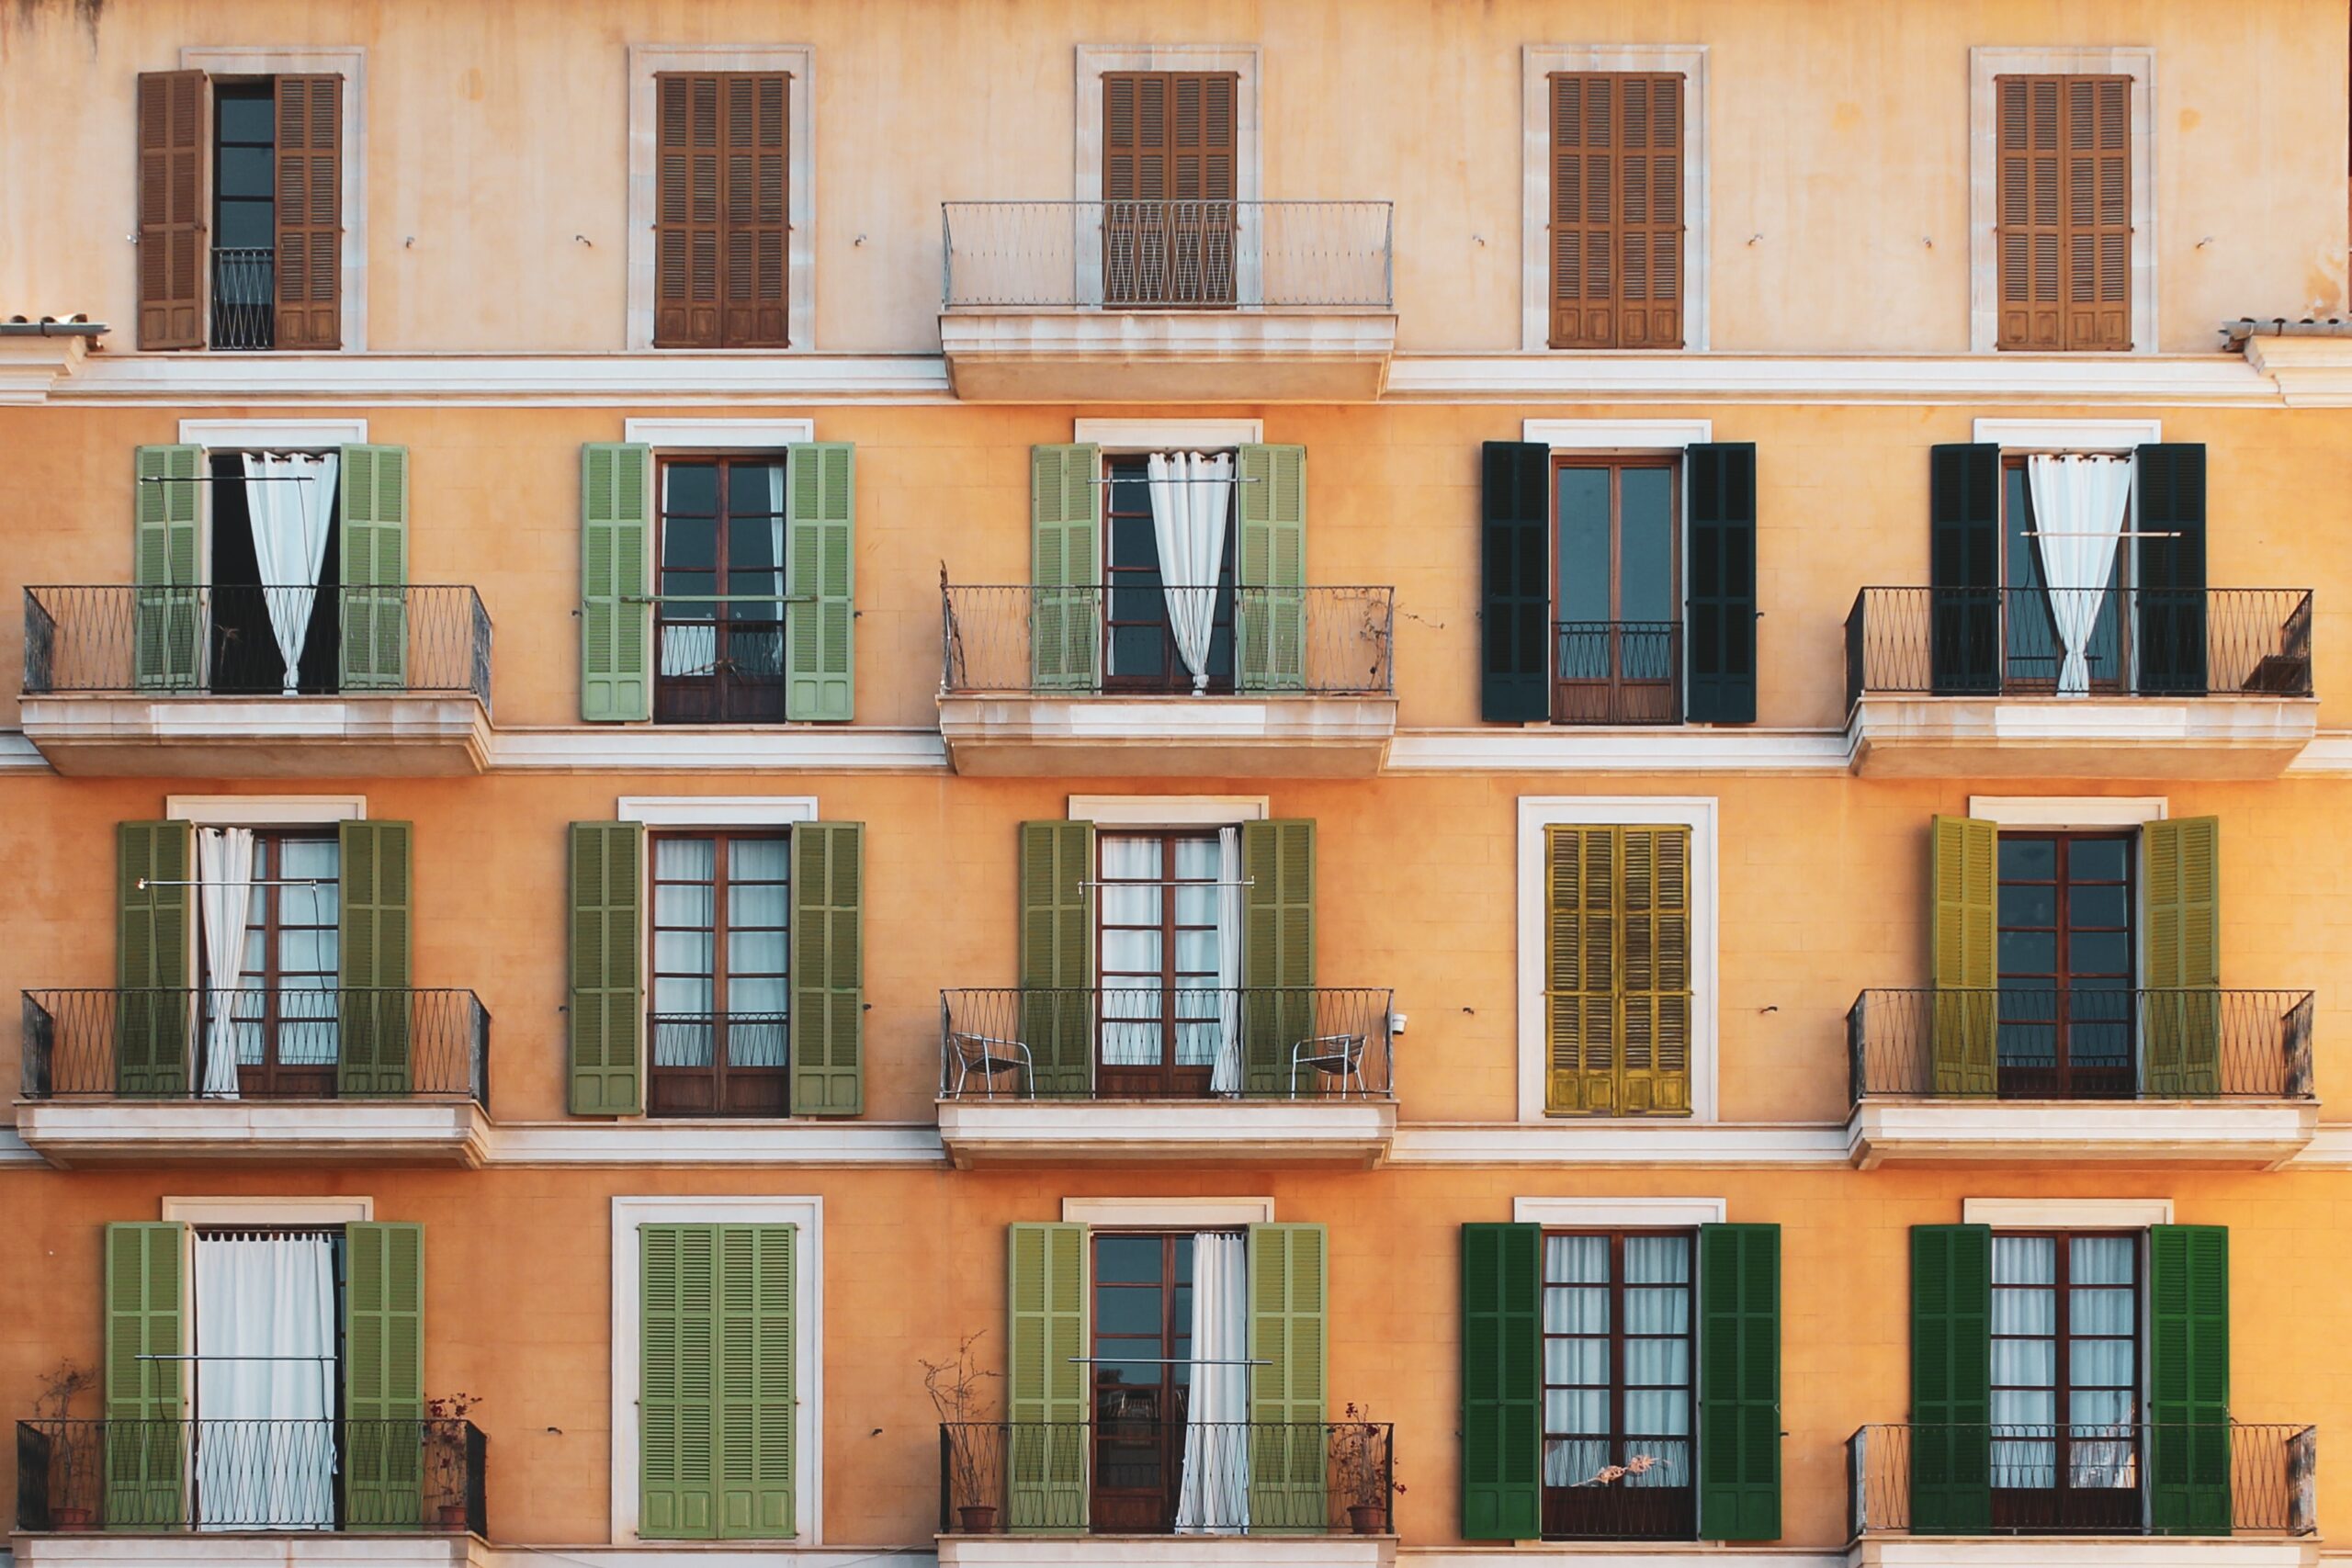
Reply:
x=2123 y=435
x=271 y=434
x=1539 y=812
x=1167 y=1213
x=2066 y=1213
x=1168 y=810
x=1539 y=61
x=266 y=810
x=1086 y=183
x=717 y=810
x=719 y=434
x=1620 y=1213
x=1168 y=434
x=269 y=1211
x=2068 y=813
x=1618 y=435
x=799 y=61
x=806 y=1215
x=1984 y=64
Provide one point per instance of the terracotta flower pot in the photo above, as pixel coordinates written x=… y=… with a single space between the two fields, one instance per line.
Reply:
x=451 y=1515
x=978 y=1518
x=1368 y=1518
x=71 y=1519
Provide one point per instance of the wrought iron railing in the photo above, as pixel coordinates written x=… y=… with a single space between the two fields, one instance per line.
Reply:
x=2132 y=1478
x=2133 y=642
x=244 y=297
x=331 y=1043
x=2081 y=1042
x=1169 y=255
x=1001 y=640
x=1616 y=671
x=251 y=1474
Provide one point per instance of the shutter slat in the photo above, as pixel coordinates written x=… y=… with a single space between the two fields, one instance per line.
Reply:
x=1502 y=1382
x=1964 y=919
x=615 y=581
x=678 y=1380
x=1058 y=937
x=1515 y=582
x=2182 y=1021
x=828 y=968
x=374 y=528
x=166 y=524
x=820 y=620
x=1719 y=615
x=1951 y=1371
x=376 y=1030
x=154 y=943
x=1277 y=950
x=174 y=131
x=606 y=1011
x=1289 y=1298
x=383 y=1374
x=309 y=213
x=1618 y=988
x=1270 y=619
x=1065 y=552
x=1045 y=1386
x=144 y=1379
x=2188 y=1379
x=1739 y=1383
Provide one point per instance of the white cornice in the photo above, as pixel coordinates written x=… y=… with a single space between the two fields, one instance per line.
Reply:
x=671 y=380
x=1716 y=379
x=1581 y=749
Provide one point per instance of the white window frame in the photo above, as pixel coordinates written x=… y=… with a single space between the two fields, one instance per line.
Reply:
x=1168 y=810
x=2123 y=436
x=719 y=434
x=1127 y=437
x=716 y=810
x=1620 y=1213
x=2066 y=1213
x=1086 y=174
x=264 y=810
x=269 y=1211
x=1167 y=1213
x=2068 y=813
x=272 y=435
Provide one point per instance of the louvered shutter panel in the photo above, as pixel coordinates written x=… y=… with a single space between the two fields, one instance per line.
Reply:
x=2188 y=1379
x=2181 y=1023
x=2098 y=212
x=1964 y=895
x=616 y=581
x=1952 y=1372
x=1580 y=960
x=1289 y=1296
x=754 y=174
x=1045 y=1385
x=2065 y=199
x=1270 y=629
x=752 y=1388
x=2031 y=231
x=309 y=212
x=2169 y=558
x=145 y=1384
x=1964 y=569
x=1649 y=215
x=1277 y=950
x=1617 y=986
x=1739 y=1383
x=1515 y=582
x=820 y=619
x=829 y=968
x=1583 y=221
x=383 y=1375
x=1654 y=973
x=374 y=525
x=174 y=130
x=678 y=1383
x=1135 y=136
x=166 y=569
x=374 y=1002
x=1719 y=620
x=1064 y=568
x=1616 y=218
x=687 y=212
x=1502 y=1382
x=607 y=1000
x=1057 y=955
x=153 y=942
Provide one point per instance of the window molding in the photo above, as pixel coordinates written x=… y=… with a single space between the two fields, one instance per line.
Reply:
x=797 y=61
x=269 y=1211
x=1986 y=64
x=1620 y=1213
x=266 y=810
x=2068 y=813
x=716 y=810
x=807 y=1214
x=1538 y=62
x=1168 y=810
x=2066 y=1213
x=271 y=434
x=1171 y=1214
x=1618 y=435
x=719 y=434
x=1131 y=436
x=2124 y=435
x=1694 y=812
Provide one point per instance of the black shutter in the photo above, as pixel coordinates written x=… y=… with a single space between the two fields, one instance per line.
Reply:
x=1964 y=569
x=1515 y=553
x=1719 y=615
x=2170 y=568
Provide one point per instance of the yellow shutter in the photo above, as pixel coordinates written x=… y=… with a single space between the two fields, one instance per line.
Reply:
x=1617 y=970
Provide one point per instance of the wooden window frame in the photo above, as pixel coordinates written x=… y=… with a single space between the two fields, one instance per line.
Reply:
x=1173 y=679
x=1572 y=699
x=1166 y=1438
x=2042 y=1510
x=777 y=1077
x=2060 y=1081
x=762 y=700
x=259 y=1080
x=1617 y=1437
x=1191 y=1082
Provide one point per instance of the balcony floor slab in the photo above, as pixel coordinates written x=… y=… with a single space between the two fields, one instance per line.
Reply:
x=254 y=1549
x=79 y=1134
x=2229 y=736
x=2254 y=1134
x=1167 y=356
x=1242 y=737
x=981 y=1132
x=1167 y=1551
x=132 y=735
x=2060 y=1552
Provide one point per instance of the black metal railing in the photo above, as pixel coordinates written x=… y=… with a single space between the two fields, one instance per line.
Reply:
x=1169 y=255
x=1144 y=1043
x=2134 y=642
x=1616 y=673
x=330 y=1043
x=224 y=640
x=256 y=1474
x=1155 y=1477
x=2081 y=1042
x=244 y=297
x=1001 y=640
x=2132 y=1478
x=1618 y=1489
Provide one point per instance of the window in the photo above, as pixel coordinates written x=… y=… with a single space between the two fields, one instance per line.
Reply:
x=2065 y=1382
x=1618 y=627
x=261 y=504
x=720 y=1024
x=2064 y=218
x=1142 y=1378
x=1143 y=607
x=284 y=1006
x=1618 y=982
x=720 y=621
x=1616 y=218
x=1163 y=938
x=1169 y=155
x=2066 y=965
x=1618 y=1385
x=720 y=247
x=717 y=1382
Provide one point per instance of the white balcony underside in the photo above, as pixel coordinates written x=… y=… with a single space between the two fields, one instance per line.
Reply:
x=2079 y=738
x=978 y=1131
x=2063 y=1551
x=1167 y=356
x=1167 y=1552
x=256 y=1549
x=1081 y=735
x=74 y=1133
x=127 y=735
x=2256 y=1135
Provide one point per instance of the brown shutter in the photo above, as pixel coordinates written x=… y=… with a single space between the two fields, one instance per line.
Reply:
x=755 y=207
x=720 y=234
x=1202 y=140
x=1135 y=136
x=2065 y=213
x=310 y=211
x=172 y=140
x=686 y=212
x=2098 y=212
x=1616 y=226
x=1170 y=136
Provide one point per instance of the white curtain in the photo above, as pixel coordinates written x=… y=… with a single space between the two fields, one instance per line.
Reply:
x=1189 y=497
x=265 y=1383
x=1216 y=1495
x=2079 y=504
x=1225 y=1077
x=290 y=498
x=224 y=875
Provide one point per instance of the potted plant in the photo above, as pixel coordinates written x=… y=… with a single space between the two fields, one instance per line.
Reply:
x=1365 y=1468
x=957 y=1389
x=72 y=1466
x=445 y=1458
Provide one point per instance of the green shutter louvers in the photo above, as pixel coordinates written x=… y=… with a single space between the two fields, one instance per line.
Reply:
x=616 y=581
x=1045 y=1383
x=1064 y=568
x=2188 y=1379
x=145 y=1382
x=1964 y=900
x=828 y=1026
x=1057 y=955
x=1719 y=616
x=376 y=1029
x=383 y=1375
x=1951 y=1372
x=1270 y=577
x=1289 y=1335
x=1502 y=1382
x=1277 y=950
x=820 y=616
x=607 y=1009
x=716 y=1383
x=374 y=528
x=167 y=568
x=154 y=943
x=2181 y=1026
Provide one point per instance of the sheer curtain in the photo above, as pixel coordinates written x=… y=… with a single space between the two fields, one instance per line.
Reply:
x=1214 y=1499
x=2024 y=1364
x=1225 y=1077
x=265 y=1383
x=2100 y=1303
x=1657 y=1358
x=1131 y=1005
x=1575 y=1301
x=685 y=951
x=224 y=895
x=290 y=498
x=2079 y=504
x=1191 y=495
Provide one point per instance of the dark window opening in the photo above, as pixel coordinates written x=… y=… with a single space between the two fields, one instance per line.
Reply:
x=1141 y=1380
x=2066 y=960
x=2066 y=1451
x=1143 y=654
x=719 y=617
x=244 y=213
x=719 y=1030
x=1619 y=1461
x=242 y=655
x=2032 y=647
x=1617 y=604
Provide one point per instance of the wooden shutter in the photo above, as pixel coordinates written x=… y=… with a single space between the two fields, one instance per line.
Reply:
x=2170 y=568
x=373 y=969
x=1618 y=988
x=687 y=210
x=2188 y=1379
x=175 y=145
x=1951 y=1372
x=1739 y=1383
x=155 y=941
x=1653 y=974
x=1502 y=1382
x=383 y=1374
x=166 y=568
x=2181 y=1020
x=1515 y=582
x=753 y=1394
x=1065 y=554
x=145 y=1384
x=607 y=999
x=1616 y=222
x=1964 y=570
x=1135 y=136
x=1963 y=896
x=616 y=581
x=755 y=173
x=1169 y=135
x=309 y=212
x=1057 y=935
x=1719 y=615
x=721 y=203
x=1289 y=1296
x=1045 y=1386
x=821 y=615
x=374 y=525
x=1277 y=950
x=828 y=969
x=678 y=1383
x=1270 y=620
x=2065 y=199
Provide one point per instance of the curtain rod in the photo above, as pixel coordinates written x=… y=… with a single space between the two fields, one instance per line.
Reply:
x=1157 y=1362
x=230 y=479
x=144 y=1356
x=2095 y=534
x=146 y=882
x=1170 y=882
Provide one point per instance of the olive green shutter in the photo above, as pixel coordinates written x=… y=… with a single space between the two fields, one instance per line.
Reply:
x=1269 y=612
x=1739 y=1383
x=1277 y=950
x=373 y=968
x=2188 y=1379
x=1064 y=568
x=1044 y=1385
x=1964 y=880
x=616 y=581
x=2183 y=1012
x=1057 y=955
x=375 y=568
x=145 y=1382
x=1289 y=1298
x=383 y=1375
x=820 y=616
x=1502 y=1382
x=153 y=941
x=828 y=968
x=166 y=569
x=1618 y=988
x=1951 y=1372
x=1653 y=974
x=754 y=1392
x=607 y=1006
x=678 y=1383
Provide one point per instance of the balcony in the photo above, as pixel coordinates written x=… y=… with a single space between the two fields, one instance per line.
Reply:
x=1085 y=681
x=380 y=1076
x=2204 y=1076
x=1168 y=301
x=191 y=681
x=2195 y=684
x=1616 y=673
x=1125 y=1077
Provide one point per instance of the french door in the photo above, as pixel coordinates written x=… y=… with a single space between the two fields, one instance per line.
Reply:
x=1139 y=640
x=719 y=1029
x=1141 y=1380
x=2066 y=1452
x=1617 y=1460
x=1162 y=1026
x=283 y=1020
x=719 y=621
x=2067 y=1000
x=1617 y=614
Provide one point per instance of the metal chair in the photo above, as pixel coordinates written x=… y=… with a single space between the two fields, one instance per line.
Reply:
x=988 y=1056
x=1333 y=1055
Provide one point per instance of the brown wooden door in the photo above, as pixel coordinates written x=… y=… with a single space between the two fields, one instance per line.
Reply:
x=1142 y=1316
x=2065 y=1369
x=723 y=166
x=2067 y=1026
x=1159 y=1029
x=286 y=1029
x=718 y=1024
x=1171 y=146
x=2065 y=219
x=721 y=660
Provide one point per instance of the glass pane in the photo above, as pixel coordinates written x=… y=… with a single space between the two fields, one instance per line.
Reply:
x=754 y=998
x=2028 y=858
x=2027 y=904
x=2097 y=860
x=1576 y=1259
x=757 y=953
x=690 y=488
x=691 y=544
x=2029 y=953
x=1576 y=1360
x=759 y=904
x=1568 y=1463
x=684 y=904
x=1657 y=1261
x=1584 y=543
x=1657 y=1311
x=755 y=489
x=310 y=857
x=248 y=171
x=1575 y=1310
x=1652 y=1363
x=1126 y=1310
x=1657 y=1412
x=2100 y=907
x=247 y=226
x=248 y=119
x=1127 y=1260
x=682 y=953
x=2025 y=1260
x=1134 y=542
x=2102 y=1259
x=1646 y=535
x=2106 y=953
x=2025 y=1363
x=1576 y=1410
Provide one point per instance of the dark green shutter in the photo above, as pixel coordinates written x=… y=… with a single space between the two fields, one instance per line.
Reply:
x=1739 y=1383
x=1964 y=569
x=373 y=968
x=1289 y=1303
x=383 y=1375
x=374 y=528
x=145 y=1384
x=828 y=968
x=1057 y=955
x=616 y=581
x=1515 y=582
x=167 y=568
x=2188 y=1379
x=153 y=938
x=1963 y=918
x=1951 y=1374
x=820 y=545
x=1044 y=1385
x=1064 y=568
x=2169 y=561
x=678 y=1435
x=607 y=1006
x=2181 y=1026
x=1269 y=576
x=1277 y=950
x=1502 y=1382
x=1719 y=617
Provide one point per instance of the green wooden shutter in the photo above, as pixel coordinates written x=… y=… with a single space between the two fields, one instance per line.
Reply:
x=153 y=942
x=1964 y=569
x=383 y=1375
x=828 y=1029
x=820 y=548
x=1044 y=1389
x=1515 y=582
x=606 y=1010
x=616 y=578
x=1057 y=955
x=1963 y=877
x=1952 y=1372
x=1289 y=1298
x=145 y=1395
x=1719 y=617
x=1277 y=950
x=1270 y=577
x=168 y=570
x=2168 y=575
x=1739 y=1383
x=2188 y=1379
x=1066 y=568
x=373 y=969
x=375 y=568
x=753 y=1394
x=678 y=1435
x=2182 y=1015
x=1502 y=1382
